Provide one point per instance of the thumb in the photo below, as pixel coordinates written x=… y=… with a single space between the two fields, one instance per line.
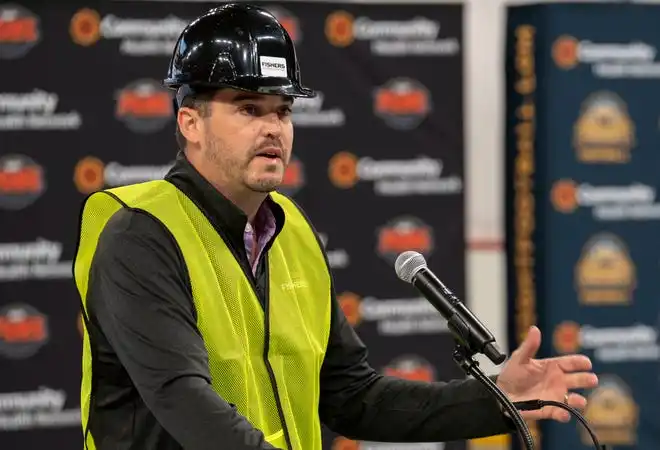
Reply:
x=529 y=346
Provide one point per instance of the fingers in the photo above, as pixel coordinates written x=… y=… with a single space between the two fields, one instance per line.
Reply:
x=576 y=401
x=572 y=363
x=529 y=346
x=581 y=380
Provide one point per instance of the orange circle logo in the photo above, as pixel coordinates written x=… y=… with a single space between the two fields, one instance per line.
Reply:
x=88 y=175
x=339 y=29
x=342 y=170
x=565 y=52
x=564 y=196
x=350 y=305
x=342 y=443
x=85 y=27
x=566 y=337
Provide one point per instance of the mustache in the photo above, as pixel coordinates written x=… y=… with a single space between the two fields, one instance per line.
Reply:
x=269 y=144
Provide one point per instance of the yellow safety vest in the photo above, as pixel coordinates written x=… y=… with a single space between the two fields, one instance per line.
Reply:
x=278 y=395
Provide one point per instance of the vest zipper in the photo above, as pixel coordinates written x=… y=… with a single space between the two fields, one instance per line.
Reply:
x=269 y=368
x=247 y=270
x=271 y=374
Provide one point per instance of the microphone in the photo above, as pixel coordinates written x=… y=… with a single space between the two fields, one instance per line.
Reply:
x=469 y=331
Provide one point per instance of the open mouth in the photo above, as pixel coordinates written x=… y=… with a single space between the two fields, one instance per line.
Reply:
x=268 y=155
x=273 y=153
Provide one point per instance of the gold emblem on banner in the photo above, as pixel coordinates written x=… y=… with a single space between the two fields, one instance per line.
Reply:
x=89 y=175
x=604 y=132
x=565 y=52
x=566 y=337
x=339 y=28
x=342 y=170
x=605 y=273
x=85 y=27
x=612 y=412
x=564 y=196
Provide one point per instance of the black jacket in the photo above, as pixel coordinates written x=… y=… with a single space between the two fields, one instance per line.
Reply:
x=151 y=387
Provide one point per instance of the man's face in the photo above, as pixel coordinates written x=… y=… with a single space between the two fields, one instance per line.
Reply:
x=248 y=139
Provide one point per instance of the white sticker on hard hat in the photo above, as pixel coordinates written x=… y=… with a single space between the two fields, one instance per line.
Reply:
x=272 y=66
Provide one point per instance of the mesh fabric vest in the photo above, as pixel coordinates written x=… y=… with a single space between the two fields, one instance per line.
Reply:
x=278 y=394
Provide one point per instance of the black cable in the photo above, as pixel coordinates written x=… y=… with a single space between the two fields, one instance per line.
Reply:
x=531 y=405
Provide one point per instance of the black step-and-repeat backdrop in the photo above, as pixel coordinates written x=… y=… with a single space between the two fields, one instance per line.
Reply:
x=583 y=135
x=379 y=168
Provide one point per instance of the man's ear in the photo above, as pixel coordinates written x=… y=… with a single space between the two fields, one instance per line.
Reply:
x=190 y=124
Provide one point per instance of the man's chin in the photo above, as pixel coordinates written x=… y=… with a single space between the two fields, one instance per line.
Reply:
x=264 y=186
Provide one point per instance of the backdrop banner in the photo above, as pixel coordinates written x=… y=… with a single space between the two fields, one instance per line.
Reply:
x=378 y=167
x=582 y=137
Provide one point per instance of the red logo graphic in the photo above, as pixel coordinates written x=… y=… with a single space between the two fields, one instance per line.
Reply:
x=144 y=106
x=19 y=31
x=402 y=103
x=402 y=234
x=23 y=331
x=21 y=182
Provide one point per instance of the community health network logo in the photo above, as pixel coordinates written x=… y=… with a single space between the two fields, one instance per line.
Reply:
x=91 y=174
x=608 y=60
x=137 y=36
x=633 y=202
x=418 y=36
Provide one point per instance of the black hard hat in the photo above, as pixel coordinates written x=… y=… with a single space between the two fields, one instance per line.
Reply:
x=237 y=45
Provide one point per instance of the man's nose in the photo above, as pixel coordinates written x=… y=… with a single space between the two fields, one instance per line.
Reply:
x=272 y=124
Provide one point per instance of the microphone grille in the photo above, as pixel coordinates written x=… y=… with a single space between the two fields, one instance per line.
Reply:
x=407 y=265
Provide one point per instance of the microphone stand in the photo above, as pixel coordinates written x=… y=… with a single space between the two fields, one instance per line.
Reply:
x=464 y=356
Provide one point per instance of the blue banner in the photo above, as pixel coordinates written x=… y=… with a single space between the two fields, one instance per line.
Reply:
x=583 y=169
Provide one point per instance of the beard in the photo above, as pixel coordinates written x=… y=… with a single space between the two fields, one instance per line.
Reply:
x=250 y=172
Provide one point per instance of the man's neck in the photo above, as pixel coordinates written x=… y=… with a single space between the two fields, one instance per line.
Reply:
x=249 y=202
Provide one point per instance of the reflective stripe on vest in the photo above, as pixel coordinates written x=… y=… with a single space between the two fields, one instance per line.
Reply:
x=293 y=332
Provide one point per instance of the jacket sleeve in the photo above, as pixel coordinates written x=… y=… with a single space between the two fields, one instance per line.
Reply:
x=139 y=298
x=358 y=403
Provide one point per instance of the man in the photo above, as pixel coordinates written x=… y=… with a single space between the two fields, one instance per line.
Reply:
x=210 y=318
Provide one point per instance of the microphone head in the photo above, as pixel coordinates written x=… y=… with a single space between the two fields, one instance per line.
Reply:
x=407 y=265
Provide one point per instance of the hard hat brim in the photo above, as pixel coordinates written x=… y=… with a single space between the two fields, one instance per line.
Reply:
x=257 y=85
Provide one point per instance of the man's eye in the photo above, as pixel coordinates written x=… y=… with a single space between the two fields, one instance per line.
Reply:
x=286 y=111
x=249 y=109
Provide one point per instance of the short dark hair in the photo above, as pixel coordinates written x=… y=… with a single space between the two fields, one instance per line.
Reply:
x=200 y=103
